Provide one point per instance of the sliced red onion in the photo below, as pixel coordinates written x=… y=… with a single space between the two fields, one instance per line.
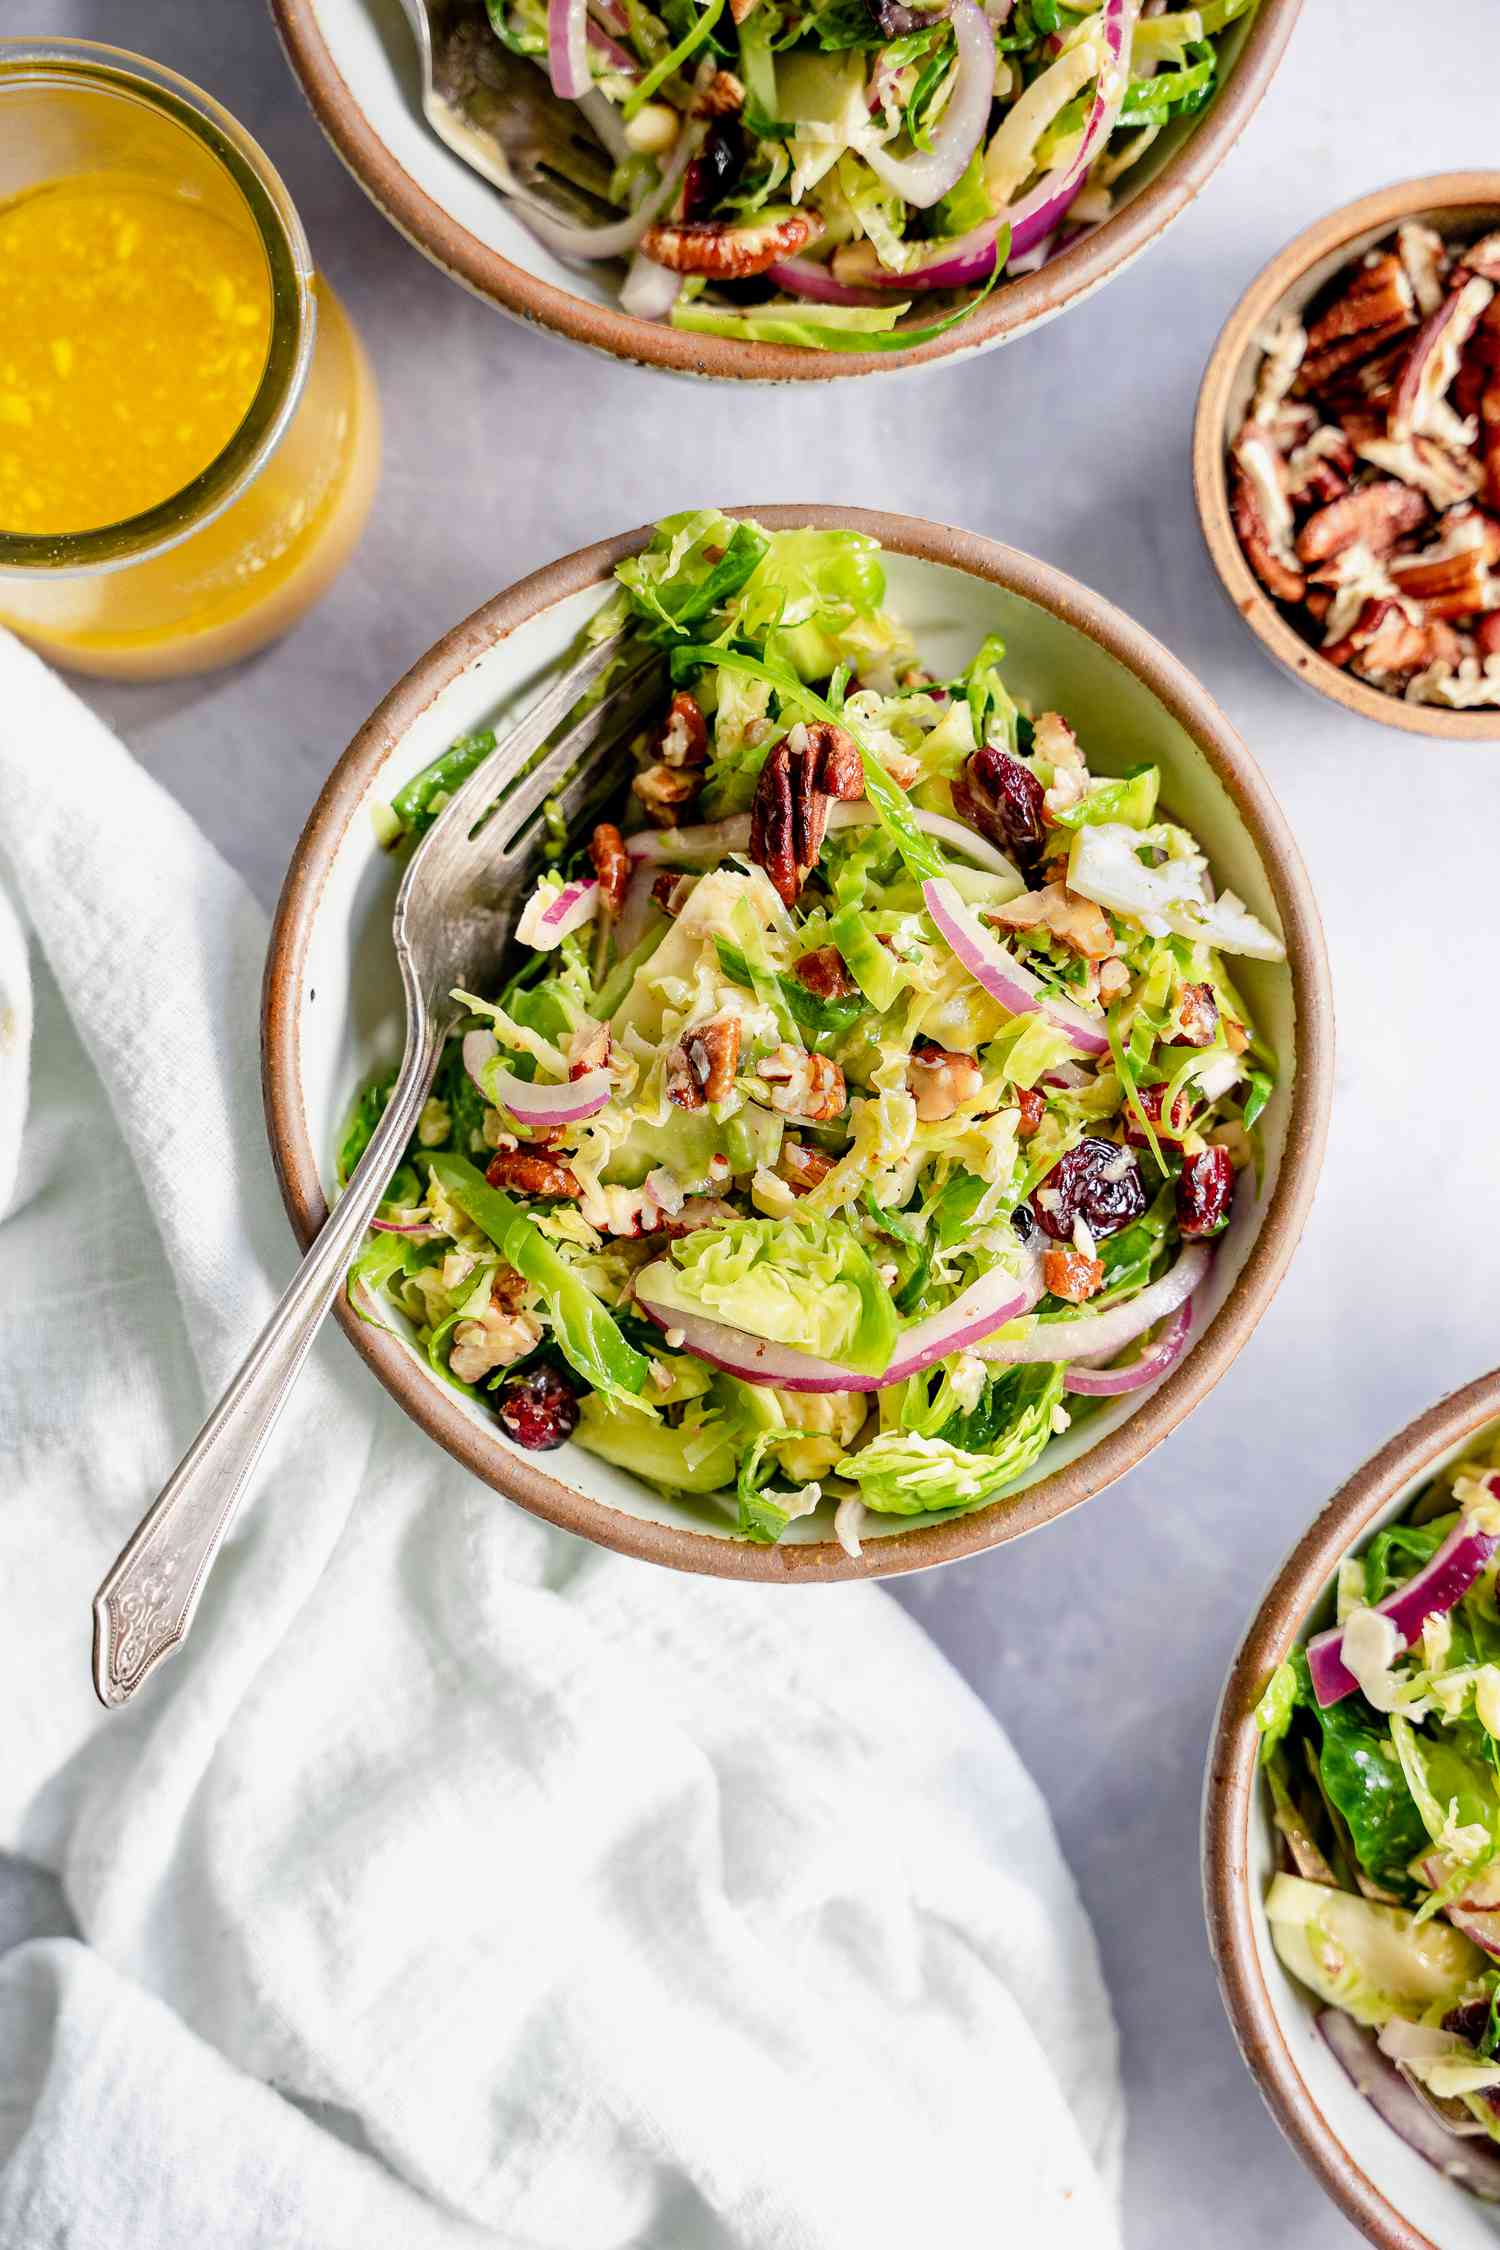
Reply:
x=550 y=916
x=621 y=63
x=976 y=1312
x=1101 y=1335
x=805 y=277
x=925 y=178
x=1113 y=1382
x=420 y=1230
x=952 y=262
x=548 y=1104
x=752 y=1358
x=1002 y=975
x=1432 y=1593
x=649 y=291
x=611 y=15
x=567 y=48
x=620 y=236
x=479 y=1048
x=1469 y=2164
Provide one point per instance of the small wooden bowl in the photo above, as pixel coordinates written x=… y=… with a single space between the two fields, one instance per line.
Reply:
x=353 y=59
x=1452 y=202
x=1393 y=2195
x=332 y=1009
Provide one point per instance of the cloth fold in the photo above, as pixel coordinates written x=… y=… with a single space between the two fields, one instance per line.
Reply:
x=458 y=1883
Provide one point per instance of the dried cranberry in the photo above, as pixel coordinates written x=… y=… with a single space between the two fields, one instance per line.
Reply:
x=714 y=169
x=1205 y=1190
x=1098 y=1182
x=1004 y=800
x=1469 y=2021
x=1150 y=1099
x=1023 y=1219
x=539 y=1409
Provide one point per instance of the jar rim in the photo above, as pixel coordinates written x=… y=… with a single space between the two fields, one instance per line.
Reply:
x=70 y=63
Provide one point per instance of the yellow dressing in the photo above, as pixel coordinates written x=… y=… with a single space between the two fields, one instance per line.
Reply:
x=134 y=329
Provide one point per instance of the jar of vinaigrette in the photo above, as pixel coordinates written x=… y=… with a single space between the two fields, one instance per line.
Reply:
x=189 y=431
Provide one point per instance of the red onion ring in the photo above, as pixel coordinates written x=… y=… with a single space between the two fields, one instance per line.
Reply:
x=1101 y=1335
x=620 y=236
x=1113 y=1382
x=621 y=63
x=567 y=910
x=551 y=1104
x=1002 y=976
x=421 y=1230
x=567 y=48
x=925 y=178
x=1469 y=2164
x=1432 y=1593
x=805 y=277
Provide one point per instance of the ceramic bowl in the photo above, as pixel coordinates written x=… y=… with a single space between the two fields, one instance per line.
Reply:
x=1453 y=202
x=1399 y=2200
x=357 y=67
x=332 y=1005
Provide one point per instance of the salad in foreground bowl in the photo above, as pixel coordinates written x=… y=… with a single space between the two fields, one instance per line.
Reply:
x=869 y=1092
x=1381 y=1753
x=813 y=172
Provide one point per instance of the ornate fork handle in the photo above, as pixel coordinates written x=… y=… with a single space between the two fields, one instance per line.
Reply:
x=145 y=1605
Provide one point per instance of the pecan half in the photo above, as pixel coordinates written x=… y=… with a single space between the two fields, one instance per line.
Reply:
x=683 y=740
x=667 y=792
x=1342 y=362
x=731 y=253
x=701 y=1067
x=1433 y=360
x=1382 y=640
x=1262 y=517
x=824 y=975
x=789 y=811
x=941 y=1082
x=1377 y=515
x=802 y=1167
x=529 y=1174
x=803 y=1085
x=721 y=97
x=1067 y=1273
x=611 y=865
x=1451 y=584
x=1379 y=292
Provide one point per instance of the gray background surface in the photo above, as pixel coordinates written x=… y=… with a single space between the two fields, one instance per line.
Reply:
x=1100 y=1643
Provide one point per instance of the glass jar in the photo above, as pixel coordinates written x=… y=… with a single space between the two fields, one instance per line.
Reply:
x=214 y=571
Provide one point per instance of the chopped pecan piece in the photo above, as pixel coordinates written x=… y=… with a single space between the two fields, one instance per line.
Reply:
x=941 y=1082
x=1074 y=921
x=1433 y=361
x=683 y=740
x=1381 y=639
x=1425 y=262
x=671 y=891
x=611 y=865
x=1445 y=475
x=1489 y=440
x=721 y=97
x=1449 y=580
x=1003 y=799
x=667 y=792
x=803 y=1085
x=789 y=811
x=1376 y=516
x=1068 y=1273
x=1197 y=1019
x=696 y=1212
x=1379 y=293
x=731 y=253
x=1483 y=257
x=1032 y=1106
x=824 y=974
x=1320 y=469
x=1262 y=515
x=701 y=1067
x=1343 y=364
x=498 y=1337
x=802 y=1167
x=529 y=1174
x=588 y=1049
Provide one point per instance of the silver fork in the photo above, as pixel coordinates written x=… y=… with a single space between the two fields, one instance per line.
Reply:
x=497 y=112
x=455 y=915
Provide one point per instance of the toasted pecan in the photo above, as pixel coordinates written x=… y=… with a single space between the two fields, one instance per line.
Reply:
x=1376 y=516
x=1068 y=1273
x=726 y=252
x=824 y=974
x=802 y=774
x=611 y=864
x=529 y=1174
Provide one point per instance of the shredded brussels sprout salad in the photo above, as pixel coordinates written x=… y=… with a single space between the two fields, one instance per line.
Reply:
x=1381 y=1751
x=812 y=172
x=867 y=1096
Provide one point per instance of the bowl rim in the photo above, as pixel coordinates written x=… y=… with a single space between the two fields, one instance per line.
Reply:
x=1386 y=206
x=513 y=1474
x=1022 y=304
x=1229 y=1798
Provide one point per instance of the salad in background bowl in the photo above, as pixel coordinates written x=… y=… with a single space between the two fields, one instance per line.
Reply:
x=847 y=1164
x=791 y=190
x=1352 y=1836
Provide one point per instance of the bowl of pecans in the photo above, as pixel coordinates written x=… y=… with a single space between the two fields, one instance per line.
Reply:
x=1346 y=457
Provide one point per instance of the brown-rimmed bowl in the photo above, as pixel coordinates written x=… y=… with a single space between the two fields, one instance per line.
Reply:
x=1455 y=203
x=1398 y=2200
x=356 y=65
x=332 y=1001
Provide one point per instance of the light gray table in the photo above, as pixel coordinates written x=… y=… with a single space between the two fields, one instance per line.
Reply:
x=504 y=449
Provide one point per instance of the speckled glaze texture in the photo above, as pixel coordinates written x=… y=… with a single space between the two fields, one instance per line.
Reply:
x=1231 y=1783
x=1448 y=200
x=346 y=797
x=1011 y=311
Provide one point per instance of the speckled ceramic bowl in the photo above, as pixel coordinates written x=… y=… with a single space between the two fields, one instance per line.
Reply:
x=1453 y=202
x=355 y=61
x=332 y=1003
x=1399 y=2200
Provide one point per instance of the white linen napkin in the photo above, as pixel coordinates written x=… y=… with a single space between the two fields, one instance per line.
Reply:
x=459 y=1883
